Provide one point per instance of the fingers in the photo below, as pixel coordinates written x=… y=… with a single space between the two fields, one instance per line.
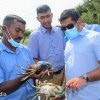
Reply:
x=77 y=87
x=42 y=74
x=75 y=84
x=72 y=86
x=50 y=73
x=39 y=76
x=32 y=69
x=35 y=76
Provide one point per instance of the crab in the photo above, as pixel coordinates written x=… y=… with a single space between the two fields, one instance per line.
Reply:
x=49 y=90
x=36 y=69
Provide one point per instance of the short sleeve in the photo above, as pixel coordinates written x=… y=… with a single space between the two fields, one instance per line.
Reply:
x=97 y=28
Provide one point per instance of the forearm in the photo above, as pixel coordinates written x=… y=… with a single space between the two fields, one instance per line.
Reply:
x=11 y=85
x=78 y=82
x=94 y=75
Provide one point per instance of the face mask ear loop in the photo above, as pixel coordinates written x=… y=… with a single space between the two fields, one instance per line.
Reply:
x=6 y=36
x=8 y=33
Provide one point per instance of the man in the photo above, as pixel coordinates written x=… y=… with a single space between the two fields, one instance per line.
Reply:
x=82 y=59
x=47 y=44
x=63 y=17
x=12 y=55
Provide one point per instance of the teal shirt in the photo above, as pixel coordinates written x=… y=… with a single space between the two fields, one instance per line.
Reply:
x=9 y=70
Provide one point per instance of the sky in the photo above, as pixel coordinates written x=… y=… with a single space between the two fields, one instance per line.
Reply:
x=27 y=9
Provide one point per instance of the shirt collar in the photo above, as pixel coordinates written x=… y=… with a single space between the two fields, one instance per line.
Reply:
x=83 y=32
x=44 y=30
x=4 y=48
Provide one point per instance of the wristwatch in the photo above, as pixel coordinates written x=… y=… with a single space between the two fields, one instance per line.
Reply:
x=85 y=76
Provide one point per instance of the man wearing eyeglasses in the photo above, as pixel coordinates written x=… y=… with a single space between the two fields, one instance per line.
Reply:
x=63 y=17
x=82 y=59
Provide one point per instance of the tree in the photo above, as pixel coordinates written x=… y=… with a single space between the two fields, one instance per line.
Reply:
x=26 y=34
x=1 y=31
x=90 y=11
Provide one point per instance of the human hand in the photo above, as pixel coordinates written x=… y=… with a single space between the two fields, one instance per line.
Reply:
x=35 y=71
x=43 y=73
x=32 y=69
x=50 y=72
x=38 y=76
x=75 y=84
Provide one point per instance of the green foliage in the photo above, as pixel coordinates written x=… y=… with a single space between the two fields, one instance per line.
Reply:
x=26 y=35
x=25 y=42
x=27 y=32
x=90 y=11
x=1 y=34
x=87 y=17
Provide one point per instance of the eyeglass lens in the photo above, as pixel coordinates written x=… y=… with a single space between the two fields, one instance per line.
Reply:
x=70 y=26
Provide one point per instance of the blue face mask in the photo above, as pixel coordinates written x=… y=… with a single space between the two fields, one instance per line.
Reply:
x=13 y=43
x=71 y=33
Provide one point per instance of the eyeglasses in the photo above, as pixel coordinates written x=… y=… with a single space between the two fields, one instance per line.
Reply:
x=69 y=26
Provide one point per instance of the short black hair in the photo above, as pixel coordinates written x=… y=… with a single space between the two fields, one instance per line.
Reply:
x=8 y=20
x=43 y=9
x=69 y=13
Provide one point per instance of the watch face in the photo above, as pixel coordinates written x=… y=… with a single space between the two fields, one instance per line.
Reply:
x=85 y=76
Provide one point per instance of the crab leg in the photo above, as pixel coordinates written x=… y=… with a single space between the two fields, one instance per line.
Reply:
x=33 y=85
x=25 y=68
x=26 y=77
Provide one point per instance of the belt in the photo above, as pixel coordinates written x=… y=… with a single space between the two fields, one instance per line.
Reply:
x=58 y=72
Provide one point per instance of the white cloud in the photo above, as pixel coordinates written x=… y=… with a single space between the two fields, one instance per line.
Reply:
x=27 y=9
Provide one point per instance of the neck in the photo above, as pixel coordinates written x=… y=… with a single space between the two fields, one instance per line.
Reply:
x=49 y=29
x=8 y=45
x=83 y=24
